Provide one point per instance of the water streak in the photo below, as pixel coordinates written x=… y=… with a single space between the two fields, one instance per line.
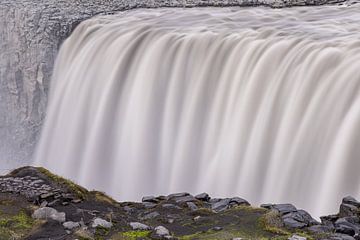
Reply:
x=256 y=102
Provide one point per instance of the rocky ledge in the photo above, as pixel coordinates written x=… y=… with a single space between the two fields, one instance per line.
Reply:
x=36 y=204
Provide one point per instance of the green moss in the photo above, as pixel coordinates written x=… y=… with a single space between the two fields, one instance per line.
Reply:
x=78 y=190
x=15 y=226
x=131 y=235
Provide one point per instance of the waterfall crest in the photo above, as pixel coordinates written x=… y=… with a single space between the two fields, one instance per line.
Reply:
x=256 y=102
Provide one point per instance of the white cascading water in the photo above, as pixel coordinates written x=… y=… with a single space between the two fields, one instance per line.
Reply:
x=255 y=102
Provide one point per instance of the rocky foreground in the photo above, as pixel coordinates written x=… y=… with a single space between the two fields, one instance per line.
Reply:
x=35 y=204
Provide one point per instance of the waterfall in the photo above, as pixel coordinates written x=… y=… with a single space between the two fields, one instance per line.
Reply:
x=255 y=102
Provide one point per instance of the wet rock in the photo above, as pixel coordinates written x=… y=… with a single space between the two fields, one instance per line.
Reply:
x=46 y=213
x=139 y=226
x=71 y=225
x=99 y=222
x=203 y=197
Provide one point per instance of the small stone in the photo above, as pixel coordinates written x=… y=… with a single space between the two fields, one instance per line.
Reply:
x=139 y=226
x=53 y=203
x=43 y=204
x=150 y=199
x=192 y=206
x=47 y=195
x=203 y=197
x=49 y=213
x=101 y=222
x=71 y=225
x=161 y=231
x=65 y=203
x=76 y=201
x=171 y=221
x=296 y=237
x=197 y=218
x=217 y=228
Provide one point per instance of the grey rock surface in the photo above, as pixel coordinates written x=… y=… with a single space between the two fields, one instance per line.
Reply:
x=31 y=33
x=99 y=222
x=46 y=213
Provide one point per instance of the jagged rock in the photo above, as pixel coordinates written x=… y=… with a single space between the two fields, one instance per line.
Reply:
x=347 y=210
x=71 y=225
x=226 y=203
x=203 y=197
x=102 y=223
x=139 y=226
x=49 y=213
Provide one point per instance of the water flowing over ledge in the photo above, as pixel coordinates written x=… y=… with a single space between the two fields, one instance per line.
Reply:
x=251 y=102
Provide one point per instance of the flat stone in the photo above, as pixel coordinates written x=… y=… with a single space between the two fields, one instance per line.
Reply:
x=318 y=229
x=150 y=199
x=99 y=222
x=71 y=225
x=177 y=195
x=296 y=237
x=185 y=199
x=203 y=197
x=292 y=223
x=139 y=226
x=217 y=228
x=284 y=208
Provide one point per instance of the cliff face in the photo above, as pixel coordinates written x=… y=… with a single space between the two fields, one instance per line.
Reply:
x=30 y=35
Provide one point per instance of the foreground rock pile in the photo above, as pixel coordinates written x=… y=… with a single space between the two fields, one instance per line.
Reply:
x=35 y=204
